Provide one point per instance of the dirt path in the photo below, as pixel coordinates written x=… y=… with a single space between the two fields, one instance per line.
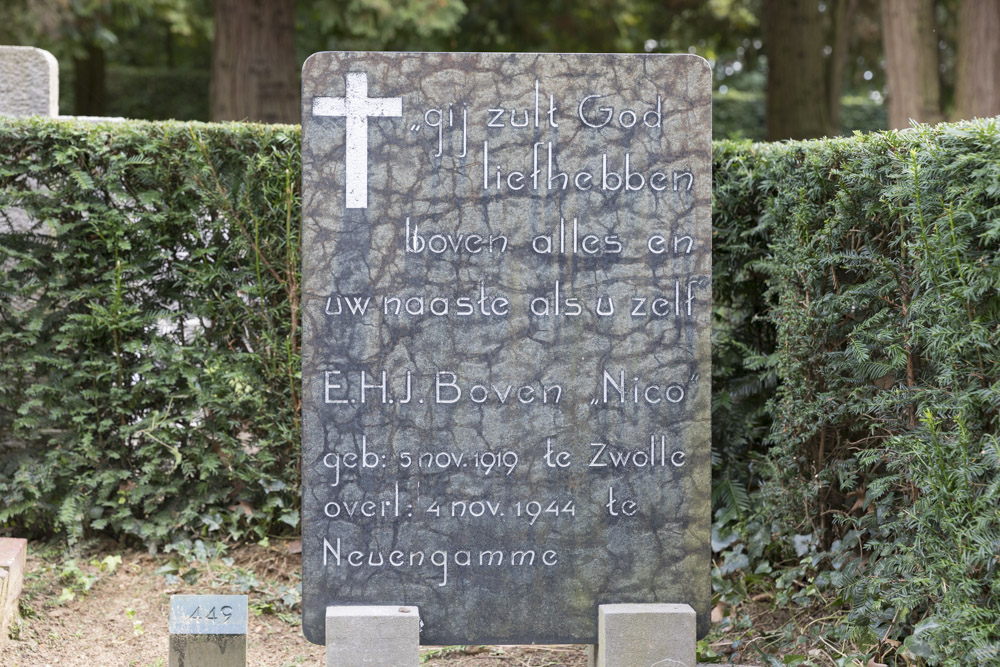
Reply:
x=122 y=619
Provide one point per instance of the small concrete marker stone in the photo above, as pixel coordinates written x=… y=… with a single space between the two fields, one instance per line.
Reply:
x=29 y=82
x=388 y=636
x=208 y=631
x=13 y=551
x=646 y=635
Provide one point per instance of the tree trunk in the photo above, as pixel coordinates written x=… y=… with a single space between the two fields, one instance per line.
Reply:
x=796 y=82
x=843 y=18
x=977 y=82
x=909 y=39
x=254 y=73
x=88 y=82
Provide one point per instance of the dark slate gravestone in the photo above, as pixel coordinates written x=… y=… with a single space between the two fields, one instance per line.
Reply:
x=506 y=358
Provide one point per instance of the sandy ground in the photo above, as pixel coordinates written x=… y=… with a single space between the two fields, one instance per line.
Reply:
x=123 y=618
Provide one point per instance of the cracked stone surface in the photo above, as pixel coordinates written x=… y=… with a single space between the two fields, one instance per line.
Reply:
x=506 y=371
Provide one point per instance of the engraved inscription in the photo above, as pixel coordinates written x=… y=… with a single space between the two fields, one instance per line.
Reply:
x=506 y=359
x=357 y=108
x=208 y=614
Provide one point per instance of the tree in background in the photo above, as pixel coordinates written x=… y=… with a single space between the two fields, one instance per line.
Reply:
x=91 y=37
x=796 y=80
x=88 y=23
x=616 y=26
x=909 y=37
x=254 y=70
x=377 y=25
x=918 y=36
x=807 y=44
x=977 y=83
x=842 y=22
x=155 y=58
x=81 y=32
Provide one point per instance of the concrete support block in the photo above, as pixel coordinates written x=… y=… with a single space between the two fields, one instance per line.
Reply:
x=646 y=635
x=208 y=651
x=13 y=554
x=29 y=82
x=372 y=635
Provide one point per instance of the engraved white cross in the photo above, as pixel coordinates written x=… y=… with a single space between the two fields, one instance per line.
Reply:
x=357 y=107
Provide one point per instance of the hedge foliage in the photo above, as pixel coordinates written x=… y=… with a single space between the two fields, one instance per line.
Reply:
x=859 y=303
x=149 y=368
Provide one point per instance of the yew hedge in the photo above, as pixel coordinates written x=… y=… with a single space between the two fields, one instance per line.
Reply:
x=149 y=362
x=858 y=380
x=149 y=381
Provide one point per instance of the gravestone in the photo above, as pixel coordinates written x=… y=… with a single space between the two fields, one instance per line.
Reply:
x=29 y=82
x=208 y=631
x=506 y=357
x=13 y=556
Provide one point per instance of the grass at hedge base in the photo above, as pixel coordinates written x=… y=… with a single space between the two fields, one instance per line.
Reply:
x=149 y=359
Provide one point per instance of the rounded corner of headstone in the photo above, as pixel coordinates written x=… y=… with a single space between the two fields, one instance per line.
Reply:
x=49 y=59
x=44 y=57
x=311 y=634
x=699 y=61
x=311 y=61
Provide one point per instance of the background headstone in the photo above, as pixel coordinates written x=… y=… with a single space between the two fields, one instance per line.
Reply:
x=506 y=357
x=29 y=82
x=13 y=553
x=208 y=631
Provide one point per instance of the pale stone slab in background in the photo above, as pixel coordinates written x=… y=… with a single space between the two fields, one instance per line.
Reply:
x=13 y=552
x=29 y=82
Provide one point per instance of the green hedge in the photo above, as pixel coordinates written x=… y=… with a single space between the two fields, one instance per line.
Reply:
x=149 y=379
x=149 y=357
x=861 y=279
